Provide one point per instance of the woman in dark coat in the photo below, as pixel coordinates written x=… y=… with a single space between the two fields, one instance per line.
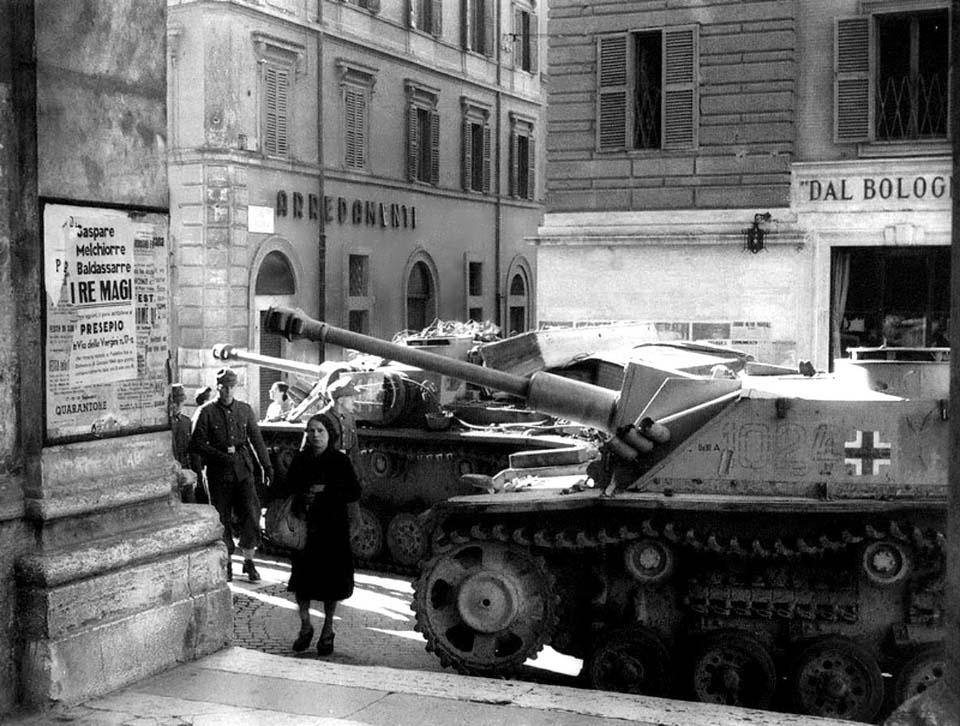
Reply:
x=327 y=492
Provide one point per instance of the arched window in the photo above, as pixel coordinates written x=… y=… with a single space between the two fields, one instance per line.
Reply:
x=421 y=297
x=517 y=304
x=275 y=276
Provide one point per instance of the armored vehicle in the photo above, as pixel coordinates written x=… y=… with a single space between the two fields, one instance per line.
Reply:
x=413 y=450
x=764 y=541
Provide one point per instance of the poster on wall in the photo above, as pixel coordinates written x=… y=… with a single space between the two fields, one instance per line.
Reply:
x=105 y=279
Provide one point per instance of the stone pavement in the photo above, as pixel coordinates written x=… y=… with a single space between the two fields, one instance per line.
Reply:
x=380 y=675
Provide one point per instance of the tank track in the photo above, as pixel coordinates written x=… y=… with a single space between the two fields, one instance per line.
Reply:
x=773 y=591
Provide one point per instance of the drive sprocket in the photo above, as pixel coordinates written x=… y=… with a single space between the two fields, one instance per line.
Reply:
x=485 y=607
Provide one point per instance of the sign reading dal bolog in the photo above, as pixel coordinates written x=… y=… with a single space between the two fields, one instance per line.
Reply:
x=105 y=274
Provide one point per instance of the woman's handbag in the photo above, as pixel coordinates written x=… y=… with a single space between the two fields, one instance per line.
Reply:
x=284 y=527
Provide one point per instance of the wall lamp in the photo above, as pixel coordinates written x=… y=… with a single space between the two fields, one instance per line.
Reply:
x=754 y=234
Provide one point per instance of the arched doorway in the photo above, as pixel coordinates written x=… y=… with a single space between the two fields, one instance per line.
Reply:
x=275 y=285
x=421 y=296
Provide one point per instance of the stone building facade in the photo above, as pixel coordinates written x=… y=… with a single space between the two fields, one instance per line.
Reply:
x=676 y=134
x=379 y=168
x=107 y=578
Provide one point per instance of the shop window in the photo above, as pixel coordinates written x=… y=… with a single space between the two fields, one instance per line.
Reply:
x=891 y=76
x=524 y=40
x=519 y=296
x=647 y=90
x=423 y=134
x=426 y=15
x=522 y=158
x=889 y=296
x=474 y=289
x=479 y=34
x=476 y=161
x=359 y=302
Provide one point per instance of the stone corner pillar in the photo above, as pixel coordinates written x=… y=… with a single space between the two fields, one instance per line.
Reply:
x=125 y=581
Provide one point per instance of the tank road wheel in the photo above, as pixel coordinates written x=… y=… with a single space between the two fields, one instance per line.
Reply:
x=629 y=660
x=649 y=561
x=366 y=540
x=919 y=673
x=885 y=562
x=734 y=669
x=406 y=540
x=485 y=607
x=838 y=678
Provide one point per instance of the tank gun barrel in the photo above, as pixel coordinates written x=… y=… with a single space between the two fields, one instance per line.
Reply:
x=580 y=402
x=227 y=352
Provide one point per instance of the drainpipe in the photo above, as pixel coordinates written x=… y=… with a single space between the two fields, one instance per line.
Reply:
x=322 y=228
x=498 y=205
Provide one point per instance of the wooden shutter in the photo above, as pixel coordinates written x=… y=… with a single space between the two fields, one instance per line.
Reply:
x=275 y=111
x=467 y=174
x=434 y=147
x=486 y=158
x=489 y=30
x=612 y=92
x=680 y=88
x=413 y=146
x=355 y=113
x=534 y=40
x=466 y=10
x=436 y=18
x=412 y=20
x=852 y=90
x=517 y=38
x=531 y=191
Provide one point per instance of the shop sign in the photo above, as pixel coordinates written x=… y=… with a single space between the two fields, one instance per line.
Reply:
x=369 y=213
x=874 y=191
x=106 y=341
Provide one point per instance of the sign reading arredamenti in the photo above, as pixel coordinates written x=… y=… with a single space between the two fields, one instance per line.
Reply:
x=105 y=275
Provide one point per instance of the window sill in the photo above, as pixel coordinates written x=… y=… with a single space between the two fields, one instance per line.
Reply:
x=877 y=149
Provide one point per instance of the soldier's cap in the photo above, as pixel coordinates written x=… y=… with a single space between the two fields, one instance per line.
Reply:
x=202 y=394
x=226 y=376
x=340 y=388
x=177 y=394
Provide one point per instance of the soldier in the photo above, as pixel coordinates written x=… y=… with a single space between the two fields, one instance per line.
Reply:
x=343 y=399
x=226 y=436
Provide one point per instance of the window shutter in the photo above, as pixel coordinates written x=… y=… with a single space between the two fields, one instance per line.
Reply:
x=412 y=143
x=852 y=90
x=412 y=13
x=612 y=92
x=436 y=18
x=467 y=172
x=434 y=147
x=680 y=76
x=467 y=21
x=486 y=159
x=514 y=164
x=355 y=108
x=531 y=191
x=517 y=38
x=534 y=43
x=489 y=30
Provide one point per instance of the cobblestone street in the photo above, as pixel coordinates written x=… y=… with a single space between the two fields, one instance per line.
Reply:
x=374 y=627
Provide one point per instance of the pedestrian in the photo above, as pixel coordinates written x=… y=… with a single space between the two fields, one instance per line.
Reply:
x=326 y=492
x=226 y=437
x=343 y=405
x=180 y=435
x=280 y=403
x=203 y=395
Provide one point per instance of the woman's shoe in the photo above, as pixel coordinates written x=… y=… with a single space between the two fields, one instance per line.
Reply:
x=303 y=640
x=325 y=644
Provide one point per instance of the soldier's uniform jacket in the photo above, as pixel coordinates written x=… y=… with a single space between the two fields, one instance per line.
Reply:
x=219 y=427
